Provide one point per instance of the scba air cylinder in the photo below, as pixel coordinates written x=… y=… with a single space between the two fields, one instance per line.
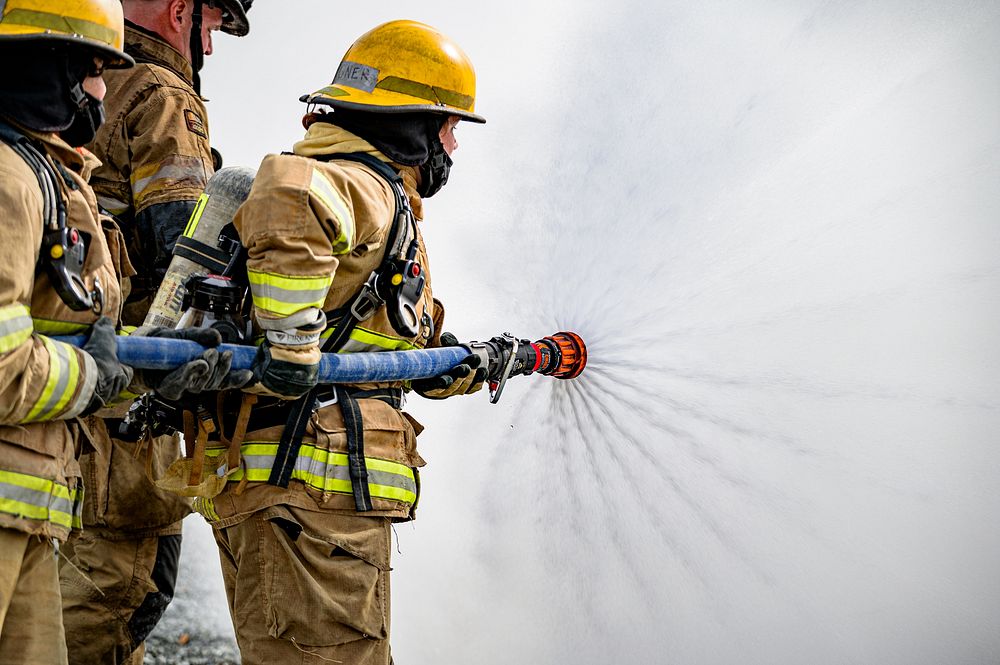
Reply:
x=207 y=246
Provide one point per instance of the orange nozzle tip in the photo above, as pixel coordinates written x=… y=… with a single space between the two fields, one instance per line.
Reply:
x=574 y=354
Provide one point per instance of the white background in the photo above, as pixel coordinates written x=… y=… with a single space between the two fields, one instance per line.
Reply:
x=777 y=224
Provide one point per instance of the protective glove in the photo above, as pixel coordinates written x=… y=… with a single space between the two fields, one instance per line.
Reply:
x=462 y=379
x=112 y=376
x=209 y=373
x=285 y=372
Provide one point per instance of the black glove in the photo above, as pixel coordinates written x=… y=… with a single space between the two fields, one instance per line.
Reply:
x=209 y=373
x=462 y=379
x=286 y=372
x=112 y=376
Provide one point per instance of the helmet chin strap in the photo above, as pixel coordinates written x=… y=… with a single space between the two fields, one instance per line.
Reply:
x=88 y=116
x=197 y=48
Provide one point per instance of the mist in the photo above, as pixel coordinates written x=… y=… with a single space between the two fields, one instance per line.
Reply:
x=776 y=227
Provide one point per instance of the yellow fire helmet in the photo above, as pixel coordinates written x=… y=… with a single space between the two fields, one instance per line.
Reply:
x=95 y=24
x=400 y=67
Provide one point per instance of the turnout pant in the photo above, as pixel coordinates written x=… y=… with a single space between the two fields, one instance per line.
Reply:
x=308 y=587
x=31 y=628
x=114 y=592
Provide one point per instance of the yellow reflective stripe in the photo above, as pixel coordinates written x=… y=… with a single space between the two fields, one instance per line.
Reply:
x=362 y=340
x=78 y=508
x=324 y=190
x=259 y=458
x=53 y=327
x=31 y=497
x=394 y=493
x=206 y=507
x=15 y=327
x=31 y=511
x=285 y=295
x=64 y=374
x=199 y=208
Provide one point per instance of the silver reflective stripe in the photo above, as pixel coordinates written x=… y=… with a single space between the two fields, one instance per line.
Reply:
x=59 y=370
x=30 y=497
x=307 y=466
x=268 y=291
x=114 y=206
x=87 y=388
x=15 y=327
x=36 y=498
x=194 y=170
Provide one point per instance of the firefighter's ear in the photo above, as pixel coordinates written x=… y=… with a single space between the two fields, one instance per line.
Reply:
x=179 y=14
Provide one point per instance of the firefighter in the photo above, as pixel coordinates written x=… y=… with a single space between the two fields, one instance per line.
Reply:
x=50 y=102
x=156 y=156
x=303 y=525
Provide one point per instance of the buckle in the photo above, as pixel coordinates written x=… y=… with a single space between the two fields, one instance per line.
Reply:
x=332 y=399
x=364 y=306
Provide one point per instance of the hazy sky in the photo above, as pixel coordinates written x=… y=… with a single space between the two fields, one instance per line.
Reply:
x=776 y=222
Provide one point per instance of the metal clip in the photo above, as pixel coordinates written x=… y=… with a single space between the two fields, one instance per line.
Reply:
x=507 y=368
x=368 y=300
x=97 y=296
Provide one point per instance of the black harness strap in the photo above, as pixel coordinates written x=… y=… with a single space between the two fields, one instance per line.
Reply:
x=213 y=258
x=343 y=321
x=355 y=431
x=291 y=439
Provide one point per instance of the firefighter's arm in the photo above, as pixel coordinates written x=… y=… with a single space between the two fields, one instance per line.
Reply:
x=170 y=164
x=294 y=225
x=159 y=226
x=40 y=378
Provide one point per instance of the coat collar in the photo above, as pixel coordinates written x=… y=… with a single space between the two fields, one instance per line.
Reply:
x=322 y=138
x=147 y=46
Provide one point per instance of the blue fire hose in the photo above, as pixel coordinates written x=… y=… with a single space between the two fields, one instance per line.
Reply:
x=562 y=355
x=155 y=353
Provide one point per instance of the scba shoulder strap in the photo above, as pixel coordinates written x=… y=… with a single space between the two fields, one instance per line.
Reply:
x=63 y=250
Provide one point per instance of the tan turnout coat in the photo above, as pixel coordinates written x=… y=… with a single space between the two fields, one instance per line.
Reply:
x=155 y=149
x=307 y=220
x=44 y=384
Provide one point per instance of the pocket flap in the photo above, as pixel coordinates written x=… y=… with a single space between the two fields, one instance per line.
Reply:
x=375 y=414
x=353 y=536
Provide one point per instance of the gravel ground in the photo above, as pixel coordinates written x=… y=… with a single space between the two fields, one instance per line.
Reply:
x=195 y=630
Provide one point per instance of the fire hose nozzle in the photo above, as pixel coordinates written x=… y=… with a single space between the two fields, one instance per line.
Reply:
x=572 y=355
x=562 y=355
